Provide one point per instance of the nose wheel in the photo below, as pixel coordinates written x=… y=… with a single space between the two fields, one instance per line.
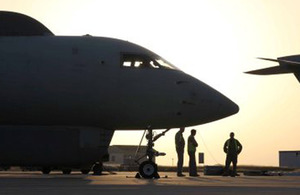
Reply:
x=148 y=169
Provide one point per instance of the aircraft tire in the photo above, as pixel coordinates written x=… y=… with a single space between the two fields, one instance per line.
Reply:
x=85 y=171
x=98 y=168
x=66 y=171
x=148 y=169
x=46 y=170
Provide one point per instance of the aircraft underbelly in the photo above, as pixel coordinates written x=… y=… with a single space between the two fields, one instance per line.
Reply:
x=52 y=146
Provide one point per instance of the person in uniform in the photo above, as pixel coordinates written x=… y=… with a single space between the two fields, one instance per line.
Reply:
x=192 y=145
x=232 y=148
x=179 y=143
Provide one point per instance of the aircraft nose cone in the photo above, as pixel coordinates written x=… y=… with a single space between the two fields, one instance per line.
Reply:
x=200 y=103
x=206 y=104
x=226 y=107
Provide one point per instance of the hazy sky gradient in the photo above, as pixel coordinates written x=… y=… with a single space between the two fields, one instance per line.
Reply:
x=212 y=40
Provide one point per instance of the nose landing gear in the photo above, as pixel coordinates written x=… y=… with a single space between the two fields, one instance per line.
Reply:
x=148 y=169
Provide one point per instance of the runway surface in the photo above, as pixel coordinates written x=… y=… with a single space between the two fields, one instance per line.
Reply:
x=125 y=183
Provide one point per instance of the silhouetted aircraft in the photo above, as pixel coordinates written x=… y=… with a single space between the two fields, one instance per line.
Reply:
x=62 y=97
x=287 y=64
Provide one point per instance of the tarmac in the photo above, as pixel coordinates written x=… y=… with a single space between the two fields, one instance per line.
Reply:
x=125 y=183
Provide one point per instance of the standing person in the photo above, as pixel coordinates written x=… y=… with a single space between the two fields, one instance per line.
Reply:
x=232 y=148
x=179 y=142
x=192 y=145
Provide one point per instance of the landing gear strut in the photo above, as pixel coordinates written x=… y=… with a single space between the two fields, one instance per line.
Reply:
x=148 y=168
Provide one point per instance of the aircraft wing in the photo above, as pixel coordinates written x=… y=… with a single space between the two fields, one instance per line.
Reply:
x=283 y=61
x=268 y=59
x=270 y=70
x=287 y=64
x=297 y=75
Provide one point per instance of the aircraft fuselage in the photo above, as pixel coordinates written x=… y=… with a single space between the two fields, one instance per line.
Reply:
x=80 y=81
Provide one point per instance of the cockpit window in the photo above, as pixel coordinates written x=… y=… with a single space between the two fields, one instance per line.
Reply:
x=144 y=61
x=164 y=63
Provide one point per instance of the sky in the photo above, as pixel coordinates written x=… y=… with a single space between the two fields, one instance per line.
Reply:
x=215 y=41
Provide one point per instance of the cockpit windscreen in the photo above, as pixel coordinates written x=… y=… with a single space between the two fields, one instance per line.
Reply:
x=144 y=61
